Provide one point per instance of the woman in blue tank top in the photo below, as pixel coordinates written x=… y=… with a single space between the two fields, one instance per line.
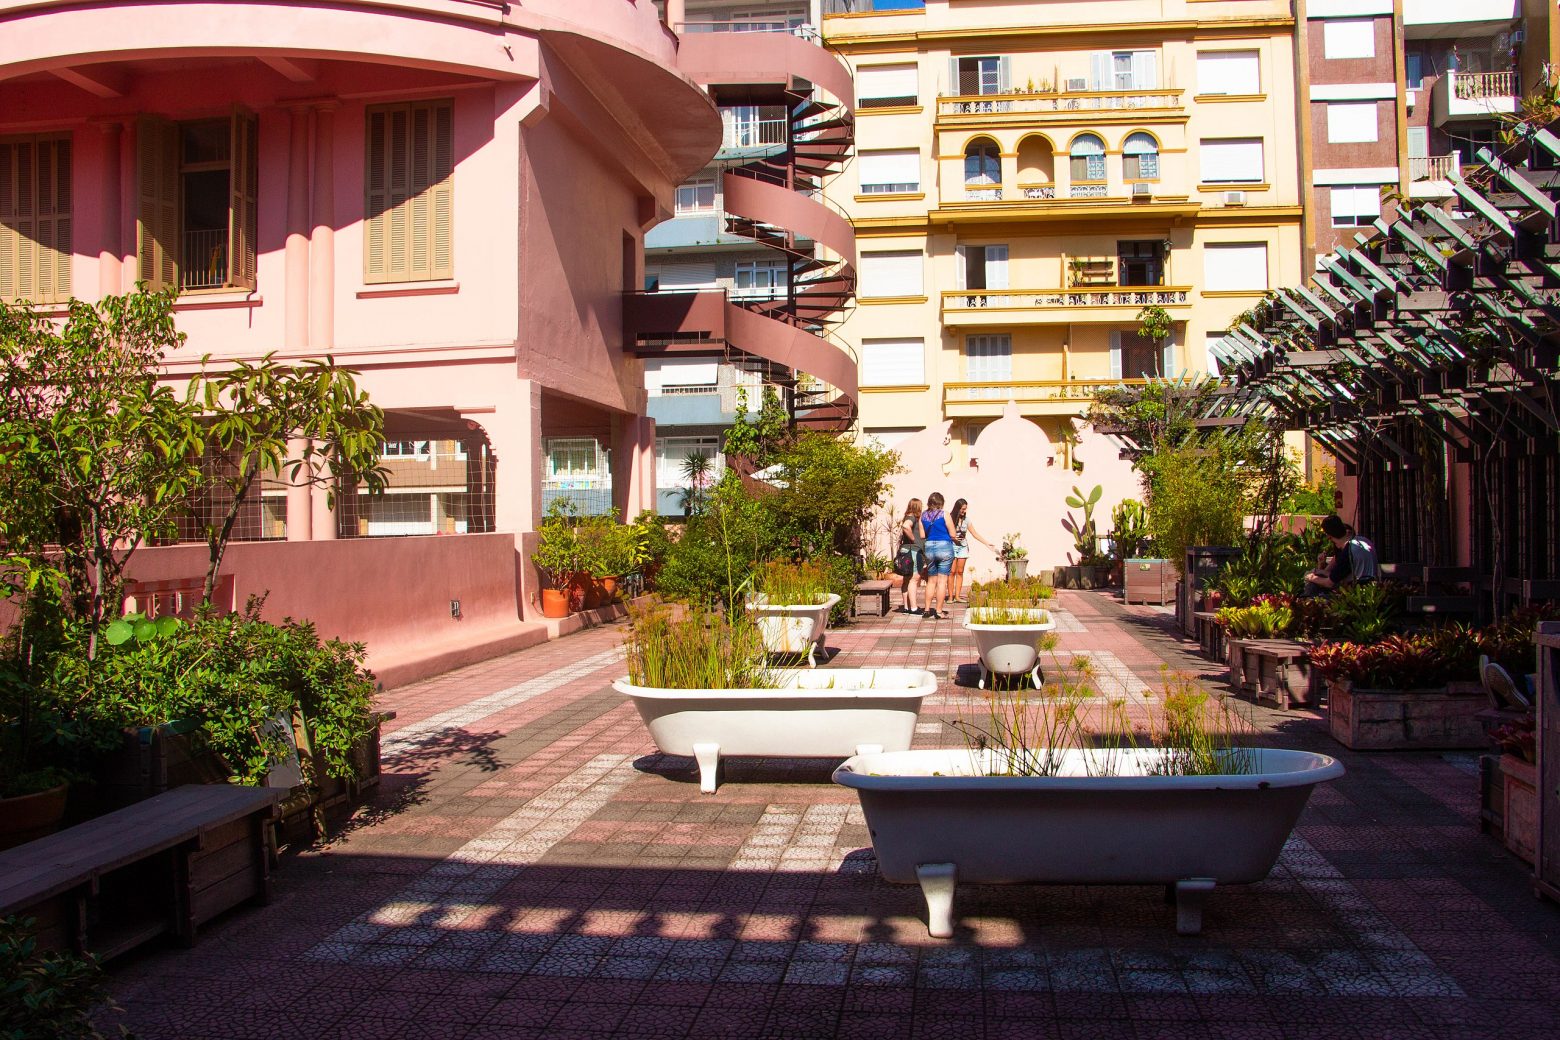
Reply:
x=939 y=555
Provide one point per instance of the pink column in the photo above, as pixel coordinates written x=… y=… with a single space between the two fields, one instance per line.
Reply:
x=633 y=465
x=323 y=524
x=322 y=237
x=111 y=252
x=676 y=12
x=515 y=433
x=296 y=305
x=300 y=498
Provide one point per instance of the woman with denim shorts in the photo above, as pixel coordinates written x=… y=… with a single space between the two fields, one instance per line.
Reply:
x=963 y=531
x=939 y=555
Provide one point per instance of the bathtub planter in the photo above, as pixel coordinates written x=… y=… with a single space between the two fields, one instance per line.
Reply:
x=831 y=713
x=936 y=819
x=793 y=629
x=1010 y=649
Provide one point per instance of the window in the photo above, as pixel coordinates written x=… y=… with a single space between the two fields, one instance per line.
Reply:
x=1140 y=158
x=696 y=195
x=1235 y=267
x=988 y=359
x=1228 y=72
x=760 y=279
x=981 y=267
x=574 y=459
x=1467 y=141
x=890 y=274
x=886 y=86
x=410 y=192
x=986 y=75
x=1349 y=38
x=982 y=170
x=1231 y=160
x=35 y=218
x=1124 y=70
x=1088 y=158
x=1414 y=69
x=672 y=455
x=886 y=172
x=1355 y=206
x=1349 y=122
x=683 y=275
x=752 y=126
x=405 y=449
x=893 y=362
x=1140 y=263
x=195 y=221
x=1133 y=356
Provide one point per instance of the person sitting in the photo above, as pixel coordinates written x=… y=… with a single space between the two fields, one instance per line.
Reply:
x=1353 y=560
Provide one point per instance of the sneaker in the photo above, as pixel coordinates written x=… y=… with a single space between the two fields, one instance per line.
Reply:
x=930 y=613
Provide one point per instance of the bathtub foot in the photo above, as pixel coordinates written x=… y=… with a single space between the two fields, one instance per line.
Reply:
x=937 y=883
x=812 y=650
x=984 y=673
x=1190 y=895
x=708 y=757
x=1034 y=675
x=869 y=749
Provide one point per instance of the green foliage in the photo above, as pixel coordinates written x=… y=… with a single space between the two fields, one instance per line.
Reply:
x=305 y=424
x=696 y=472
x=1270 y=563
x=825 y=489
x=713 y=560
x=1085 y=536
x=1266 y=620
x=1157 y=412
x=1129 y=530
x=46 y=996
x=758 y=437
x=1364 y=613
x=1011 y=550
x=783 y=583
x=1154 y=324
x=1314 y=500
x=680 y=647
x=231 y=674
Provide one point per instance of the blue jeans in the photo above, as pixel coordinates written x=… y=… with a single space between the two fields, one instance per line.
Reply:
x=939 y=558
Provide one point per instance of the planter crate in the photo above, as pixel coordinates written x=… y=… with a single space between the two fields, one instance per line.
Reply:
x=308 y=810
x=1278 y=672
x=1376 y=720
x=1519 y=806
x=1210 y=636
x=1148 y=581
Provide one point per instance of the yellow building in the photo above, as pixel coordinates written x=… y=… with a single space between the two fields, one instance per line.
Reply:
x=1030 y=176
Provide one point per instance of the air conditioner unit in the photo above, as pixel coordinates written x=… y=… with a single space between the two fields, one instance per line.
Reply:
x=1411 y=96
x=1142 y=191
x=1074 y=85
x=1234 y=198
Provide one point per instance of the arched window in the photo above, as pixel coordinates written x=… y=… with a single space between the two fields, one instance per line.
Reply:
x=1088 y=158
x=982 y=170
x=1140 y=158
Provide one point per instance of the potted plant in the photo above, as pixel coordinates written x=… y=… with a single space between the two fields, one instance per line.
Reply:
x=1405 y=691
x=1008 y=623
x=791 y=604
x=557 y=560
x=1054 y=789
x=703 y=686
x=1015 y=556
x=1089 y=570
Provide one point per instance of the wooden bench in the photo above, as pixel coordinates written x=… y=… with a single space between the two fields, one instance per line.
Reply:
x=163 y=866
x=1278 y=672
x=873 y=594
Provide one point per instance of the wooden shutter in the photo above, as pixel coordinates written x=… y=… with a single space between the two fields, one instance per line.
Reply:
x=35 y=218
x=242 y=200
x=409 y=193
x=157 y=191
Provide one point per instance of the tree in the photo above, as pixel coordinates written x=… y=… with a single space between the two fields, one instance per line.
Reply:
x=825 y=489
x=1154 y=325
x=310 y=424
x=755 y=438
x=95 y=456
x=696 y=471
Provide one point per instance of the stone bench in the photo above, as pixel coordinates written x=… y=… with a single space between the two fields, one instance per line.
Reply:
x=874 y=595
x=162 y=866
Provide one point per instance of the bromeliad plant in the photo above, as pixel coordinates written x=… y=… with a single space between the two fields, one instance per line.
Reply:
x=674 y=646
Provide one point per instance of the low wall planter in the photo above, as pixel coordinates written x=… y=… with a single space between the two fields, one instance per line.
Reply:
x=1519 y=812
x=1446 y=718
x=936 y=819
x=793 y=629
x=831 y=713
x=1278 y=672
x=1010 y=649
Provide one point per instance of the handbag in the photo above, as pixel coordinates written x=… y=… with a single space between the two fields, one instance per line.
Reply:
x=904 y=562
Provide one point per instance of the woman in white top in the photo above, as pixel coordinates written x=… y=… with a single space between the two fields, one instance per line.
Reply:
x=963 y=531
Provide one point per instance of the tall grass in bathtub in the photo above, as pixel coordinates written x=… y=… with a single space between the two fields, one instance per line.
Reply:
x=676 y=646
x=1012 y=602
x=1015 y=730
x=782 y=583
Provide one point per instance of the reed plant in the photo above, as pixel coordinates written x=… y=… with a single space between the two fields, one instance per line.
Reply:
x=784 y=583
x=1012 y=602
x=676 y=646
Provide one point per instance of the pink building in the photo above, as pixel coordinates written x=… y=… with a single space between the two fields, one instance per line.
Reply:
x=448 y=195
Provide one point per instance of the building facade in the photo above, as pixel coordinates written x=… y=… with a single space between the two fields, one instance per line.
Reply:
x=1024 y=187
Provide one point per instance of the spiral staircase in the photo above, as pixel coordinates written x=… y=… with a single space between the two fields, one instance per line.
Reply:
x=774 y=198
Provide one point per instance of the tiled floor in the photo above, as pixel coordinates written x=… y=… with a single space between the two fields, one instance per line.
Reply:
x=534 y=868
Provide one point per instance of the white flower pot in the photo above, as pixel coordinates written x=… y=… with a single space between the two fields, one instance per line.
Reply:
x=1010 y=649
x=830 y=713
x=936 y=819
x=793 y=629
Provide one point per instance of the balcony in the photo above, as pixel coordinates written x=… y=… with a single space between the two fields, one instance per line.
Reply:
x=1430 y=175
x=1033 y=397
x=1432 y=19
x=693 y=405
x=1095 y=305
x=1463 y=96
x=1053 y=106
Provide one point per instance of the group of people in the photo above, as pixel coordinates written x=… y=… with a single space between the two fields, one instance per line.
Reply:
x=933 y=546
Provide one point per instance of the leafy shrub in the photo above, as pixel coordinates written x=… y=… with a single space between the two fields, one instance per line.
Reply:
x=1266 y=620
x=46 y=996
x=1428 y=660
x=1365 y=613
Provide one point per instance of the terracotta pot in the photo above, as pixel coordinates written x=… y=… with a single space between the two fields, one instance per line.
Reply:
x=555 y=603
x=29 y=816
x=591 y=591
x=579 y=586
x=609 y=590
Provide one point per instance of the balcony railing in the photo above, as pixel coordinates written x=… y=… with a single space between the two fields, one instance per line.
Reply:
x=754 y=133
x=1110 y=296
x=1433 y=167
x=1039 y=191
x=1058 y=102
x=1476 y=86
x=983 y=193
x=205 y=260
x=1087 y=191
x=793 y=26
x=1031 y=391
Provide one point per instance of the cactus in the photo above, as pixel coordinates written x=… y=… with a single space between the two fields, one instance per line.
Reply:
x=1085 y=536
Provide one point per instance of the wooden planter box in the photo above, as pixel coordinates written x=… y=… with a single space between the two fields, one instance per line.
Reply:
x=1519 y=806
x=1376 y=720
x=1210 y=636
x=1278 y=672
x=309 y=810
x=1148 y=581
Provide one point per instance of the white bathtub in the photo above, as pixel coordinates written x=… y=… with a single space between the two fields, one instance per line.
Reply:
x=827 y=713
x=1010 y=649
x=793 y=629
x=1191 y=832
